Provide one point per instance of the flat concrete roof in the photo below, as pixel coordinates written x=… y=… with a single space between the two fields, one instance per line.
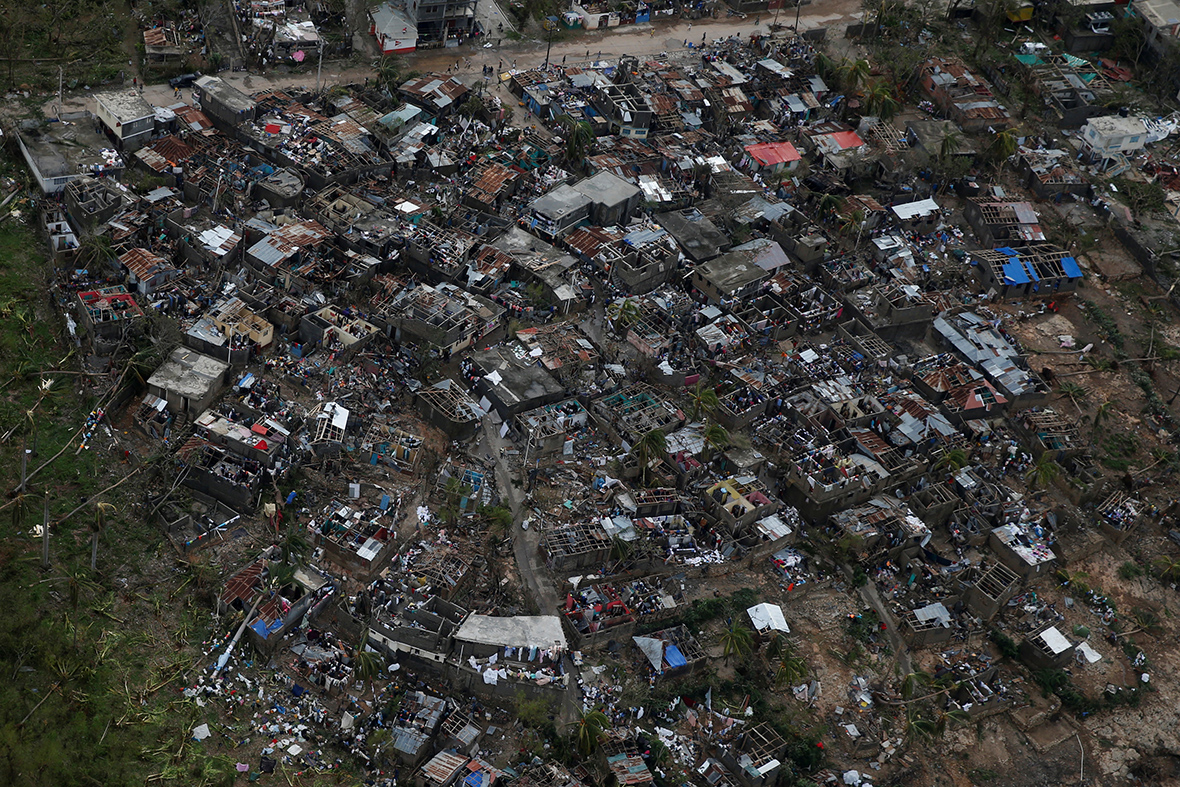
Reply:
x=525 y=631
x=560 y=201
x=226 y=94
x=512 y=382
x=126 y=105
x=189 y=374
x=606 y=188
x=699 y=237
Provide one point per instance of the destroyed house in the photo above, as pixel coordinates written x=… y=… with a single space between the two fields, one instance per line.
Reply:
x=278 y=609
x=422 y=632
x=449 y=408
x=637 y=410
x=1051 y=172
x=1119 y=515
x=700 y=239
x=981 y=345
x=754 y=756
x=220 y=474
x=491 y=184
x=336 y=330
x=359 y=223
x=108 y=312
x=625 y=107
x=163 y=43
x=443 y=770
x=671 y=652
x=561 y=346
x=549 y=428
x=966 y=98
x=437 y=253
x=355 y=538
x=1042 y=270
x=325 y=150
x=1022 y=550
x=442 y=317
x=1003 y=223
x=437 y=94
x=188 y=381
x=739 y=502
x=91 y=202
x=286 y=246
x=388 y=444
x=576 y=545
x=594 y=614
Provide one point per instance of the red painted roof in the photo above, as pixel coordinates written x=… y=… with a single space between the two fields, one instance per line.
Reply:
x=847 y=139
x=770 y=153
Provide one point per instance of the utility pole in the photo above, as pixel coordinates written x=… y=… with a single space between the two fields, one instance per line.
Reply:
x=320 y=68
x=45 y=536
x=548 y=26
x=59 y=85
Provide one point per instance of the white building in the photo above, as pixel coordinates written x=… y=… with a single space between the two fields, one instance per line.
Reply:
x=395 y=29
x=1107 y=137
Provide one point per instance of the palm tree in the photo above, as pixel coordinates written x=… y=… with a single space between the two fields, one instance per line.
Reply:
x=1074 y=392
x=880 y=101
x=1074 y=579
x=913 y=683
x=830 y=205
x=917 y=726
x=653 y=445
x=389 y=72
x=368 y=664
x=294 y=543
x=1101 y=415
x=791 y=669
x=944 y=717
x=736 y=640
x=704 y=400
x=716 y=436
x=951 y=143
x=854 y=73
x=1043 y=472
x=952 y=461
x=100 y=522
x=1002 y=148
x=592 y=726
x=93 y=251
x=579 y=138
x=623 y=313
x=1169 y=568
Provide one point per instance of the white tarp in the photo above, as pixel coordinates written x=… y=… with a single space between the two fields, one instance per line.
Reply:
x=653 y=649
x=912 y=210
x=1055 y=640
x=768 y=616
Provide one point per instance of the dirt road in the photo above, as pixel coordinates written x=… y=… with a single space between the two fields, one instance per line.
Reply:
x=610 y=44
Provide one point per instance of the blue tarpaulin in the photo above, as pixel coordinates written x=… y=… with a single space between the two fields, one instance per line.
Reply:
x=1070 y=266
x=1014 y=272
x=674 y=657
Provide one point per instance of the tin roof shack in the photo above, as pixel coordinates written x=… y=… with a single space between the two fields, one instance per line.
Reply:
x=973 y=338
x=671 y=652
x=443 y=770
x=575 y=545
x=108 y=313
x=491 y=185
x=1042 y=271
x=550 y=427
x=986 y=590
x=213 y=471
x=438 y=94
x=164 y=43
x=1023 y=550
x=285 y=248
x=129 y=119
x=731 y=278
x=966 y=98
x=1003 y=222
x=1119 y=516
x=60 y=152
x=754 y=756
x=739 y=502
x=699 y=237
x=624 y=760
x=413 y=729
x=206 y=243
x=188 y=381
x=443 y=317
x=223 y=103
x=355 y=537
x=1046 y=648
x=514 y=384
x=449 y=408
x=231 y=331
x=91 y=202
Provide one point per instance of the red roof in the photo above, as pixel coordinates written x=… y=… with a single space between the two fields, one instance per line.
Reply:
x=846 y=139
x=770 y=153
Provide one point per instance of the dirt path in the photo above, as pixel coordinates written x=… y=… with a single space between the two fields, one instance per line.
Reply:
x=642 y=40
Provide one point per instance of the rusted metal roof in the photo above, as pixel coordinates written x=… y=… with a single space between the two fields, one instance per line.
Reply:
x=491 y=181
x=193 y=118
x=143 y=263
x=240 y=587
x=443 y=766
